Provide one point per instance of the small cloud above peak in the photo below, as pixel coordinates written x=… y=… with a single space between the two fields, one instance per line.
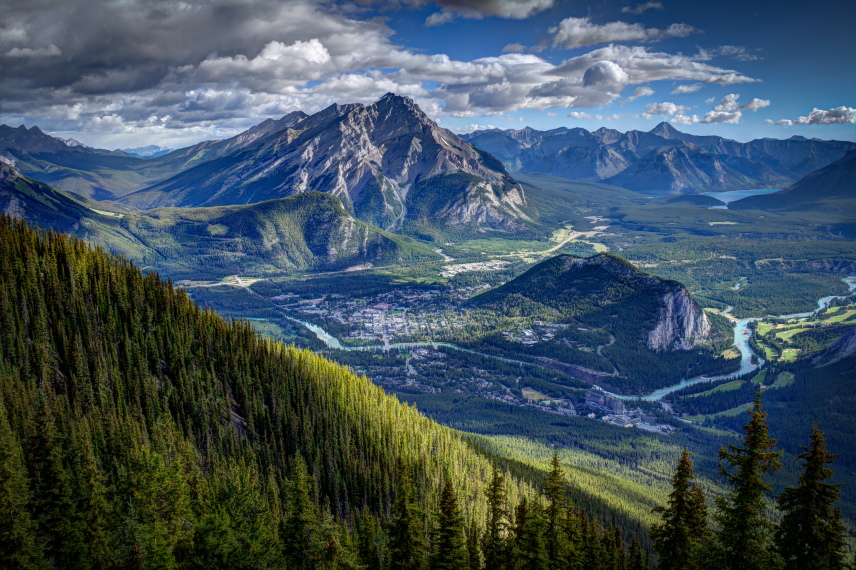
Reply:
x=641 y=8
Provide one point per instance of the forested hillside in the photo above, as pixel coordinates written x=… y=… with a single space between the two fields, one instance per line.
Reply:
x=140 y=431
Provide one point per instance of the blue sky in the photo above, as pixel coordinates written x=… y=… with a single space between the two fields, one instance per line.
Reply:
x=124 y=73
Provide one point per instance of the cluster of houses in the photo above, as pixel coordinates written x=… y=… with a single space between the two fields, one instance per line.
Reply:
x=617 y=414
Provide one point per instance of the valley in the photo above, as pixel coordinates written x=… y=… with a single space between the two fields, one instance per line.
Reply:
x=525 y=309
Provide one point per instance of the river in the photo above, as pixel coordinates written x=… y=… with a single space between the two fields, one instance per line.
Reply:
x=741 y=342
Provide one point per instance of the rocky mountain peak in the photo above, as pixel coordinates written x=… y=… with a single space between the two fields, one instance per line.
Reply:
x=665 y=130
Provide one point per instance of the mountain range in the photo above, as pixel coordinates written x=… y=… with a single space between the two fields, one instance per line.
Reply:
x=661 y=161
x=388 y=163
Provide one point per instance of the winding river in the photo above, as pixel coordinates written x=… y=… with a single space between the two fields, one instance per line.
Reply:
x=741 y=342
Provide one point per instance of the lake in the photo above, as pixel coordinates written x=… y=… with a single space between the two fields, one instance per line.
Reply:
x=733 y=195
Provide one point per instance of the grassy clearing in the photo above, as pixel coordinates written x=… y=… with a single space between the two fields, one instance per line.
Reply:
x=789 y=354
x=784 y=379
x=842 y=317
x=735 y=411
x=533 y=395
x=787 y=334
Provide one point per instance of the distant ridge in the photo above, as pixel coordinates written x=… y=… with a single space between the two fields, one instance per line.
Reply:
x=663 y=160
x=832 y=187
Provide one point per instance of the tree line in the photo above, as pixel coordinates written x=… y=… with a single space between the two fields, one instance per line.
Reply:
x=810 y=535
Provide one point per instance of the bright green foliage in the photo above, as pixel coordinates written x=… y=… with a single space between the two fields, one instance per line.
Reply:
x=744 y=533
x=679 y=538
x=144 y=431
x=140 y=431
x=449 y=551
x=812 y=534
x=406 y=530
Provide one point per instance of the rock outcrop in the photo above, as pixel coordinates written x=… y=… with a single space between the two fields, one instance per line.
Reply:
x=682 y=325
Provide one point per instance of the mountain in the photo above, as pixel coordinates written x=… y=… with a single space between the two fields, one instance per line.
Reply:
x=661 y=161
x=307 y=232
x=831 y=188
x=627 y=329
x=159 y=431
x=138 y=430
x=151 y=150
x=587 y=288
x=388 y=163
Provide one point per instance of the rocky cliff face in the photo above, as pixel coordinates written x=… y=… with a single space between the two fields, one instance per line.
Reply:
x=370 y=157
x=682 y=323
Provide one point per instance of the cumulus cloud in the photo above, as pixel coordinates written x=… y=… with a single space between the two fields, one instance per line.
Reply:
x=580 y=32
x=642 y=66
x=641 y=8
x=665 y=108
x=837 y=116
x=643 y=91
x=477 y=9
x=739 y=53
x=178 y=72
x=728 y=111
x=514 y=48
x=473 y=128
x=582 y=115
x=48 y=51
x=686 y=88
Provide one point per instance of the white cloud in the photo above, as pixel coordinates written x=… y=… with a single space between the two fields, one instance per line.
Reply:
x=605 y=74
x=643 y=66
x=580 y=32
x=581 y=115
x=730 y=111
x=514 y=48
x=739 y=53
x=477 y=9
x=50 y=51
x=837 y=116
x=691 y=88
x=643 y=91
x=474 y=128
x=642 y=8
x=614 y=117
x=665 y=108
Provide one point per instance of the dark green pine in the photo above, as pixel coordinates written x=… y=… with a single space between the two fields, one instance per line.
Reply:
x=743 y=537
x=682 y=532
x=449 y=550
x=811 y=533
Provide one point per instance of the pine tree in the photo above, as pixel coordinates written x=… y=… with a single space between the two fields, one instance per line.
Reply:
x=684 y=528
x=495 y=546
x=18 y=545
x=555 y=487
x=530 y=549
x=473 y=549
x=300 y=523
x=448 y=547
x=406 y=531
x=744 y=533
x=812 y=534
x=636 y=560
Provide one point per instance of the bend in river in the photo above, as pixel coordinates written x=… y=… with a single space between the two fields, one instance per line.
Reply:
x=741 y=342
